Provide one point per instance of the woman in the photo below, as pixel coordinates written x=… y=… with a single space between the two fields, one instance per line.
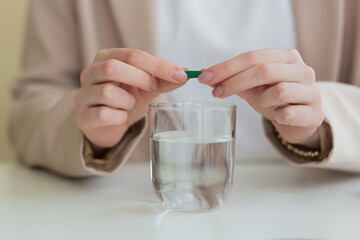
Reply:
x=92 y=68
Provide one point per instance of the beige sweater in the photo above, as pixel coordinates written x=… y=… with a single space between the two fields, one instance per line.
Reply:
x=63 y=37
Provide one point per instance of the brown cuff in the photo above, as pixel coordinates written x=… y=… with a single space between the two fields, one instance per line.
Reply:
x=326 y=144
x=109 y=162
x=326 y=140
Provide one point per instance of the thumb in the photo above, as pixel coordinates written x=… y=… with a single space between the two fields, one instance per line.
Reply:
x=163 y=86
x=166 y=86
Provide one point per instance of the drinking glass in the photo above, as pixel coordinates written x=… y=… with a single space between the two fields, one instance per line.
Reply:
x=192 y=153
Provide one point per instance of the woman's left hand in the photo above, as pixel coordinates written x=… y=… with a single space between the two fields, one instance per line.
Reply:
x=277 y=84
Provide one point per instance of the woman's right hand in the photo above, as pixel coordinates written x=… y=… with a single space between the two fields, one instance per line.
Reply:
x=116 y=90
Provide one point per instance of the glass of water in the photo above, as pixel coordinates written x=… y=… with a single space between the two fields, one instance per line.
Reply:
x=192 y=153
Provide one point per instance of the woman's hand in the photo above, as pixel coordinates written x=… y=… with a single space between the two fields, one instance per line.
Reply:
x=278 y=85
x=116 y=90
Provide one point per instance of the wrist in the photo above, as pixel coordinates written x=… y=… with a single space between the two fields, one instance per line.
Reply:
x=99 y=151
x=312 y=142
x=310 y=151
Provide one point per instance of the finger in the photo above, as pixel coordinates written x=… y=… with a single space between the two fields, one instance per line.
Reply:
x=108 y=94
x=299 y=116
x=102 y=116
x=244 y=61
x=289 y=93
x=268 y=73
x=186 y=69
x=145 y=61
x=116 y=71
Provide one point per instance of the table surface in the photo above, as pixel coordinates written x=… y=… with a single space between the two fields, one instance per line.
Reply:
x=268 y=201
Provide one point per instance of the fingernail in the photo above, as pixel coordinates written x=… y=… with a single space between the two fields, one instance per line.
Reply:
x=179 y=75
x=218 y=91
x=205 y=77
x=154 y=84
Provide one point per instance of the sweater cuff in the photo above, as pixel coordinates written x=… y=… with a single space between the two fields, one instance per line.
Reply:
x=118 y=154
x=326 y=145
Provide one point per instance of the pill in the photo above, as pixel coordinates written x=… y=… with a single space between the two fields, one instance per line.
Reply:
x=193 y=74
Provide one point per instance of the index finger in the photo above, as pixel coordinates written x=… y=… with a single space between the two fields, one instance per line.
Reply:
x=160 y=68
x=245 y=61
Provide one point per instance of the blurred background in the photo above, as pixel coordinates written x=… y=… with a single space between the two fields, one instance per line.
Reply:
x=12 y=26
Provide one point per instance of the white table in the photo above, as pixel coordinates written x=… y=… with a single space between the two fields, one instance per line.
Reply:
x=268 y=201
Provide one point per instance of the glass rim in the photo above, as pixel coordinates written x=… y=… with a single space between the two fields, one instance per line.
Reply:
x=195 y=105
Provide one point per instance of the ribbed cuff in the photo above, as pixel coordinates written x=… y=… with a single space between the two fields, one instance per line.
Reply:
x=326 y=144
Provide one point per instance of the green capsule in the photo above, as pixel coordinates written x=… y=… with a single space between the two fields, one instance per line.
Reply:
x=193 y=74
